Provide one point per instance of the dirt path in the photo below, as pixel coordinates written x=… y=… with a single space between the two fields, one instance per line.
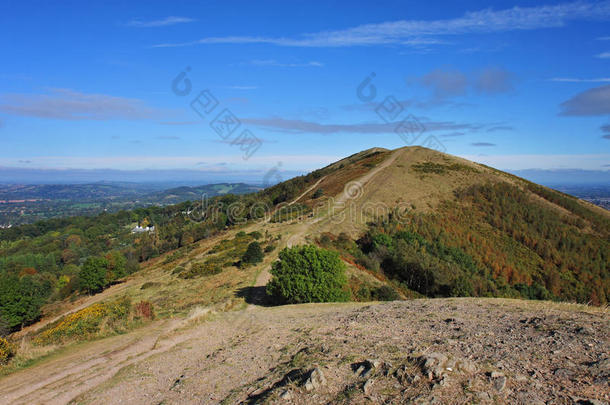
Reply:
x=307 y=191
x=255 y=356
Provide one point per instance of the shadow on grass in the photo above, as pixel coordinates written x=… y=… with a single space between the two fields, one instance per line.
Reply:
x=255 y=296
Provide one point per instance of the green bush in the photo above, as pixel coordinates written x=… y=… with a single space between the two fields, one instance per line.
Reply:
x=207 y=268
x=308 y=274
x=93 y=275
x=384 y=293
x=254 y=254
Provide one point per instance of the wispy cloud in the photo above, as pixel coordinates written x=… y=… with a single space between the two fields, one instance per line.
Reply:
x=159 y=23
x=483 y=144
x=452 y=134
x=66 y=104
x=445 y=83
x=604 y=55
x=577 y=80
x=302 y=126
x=424 y=32
x=606 y=130
x=449 y=82
x=180 y=122
x=500 y=128
x=493 y=80
x=603 y=39
x=242 y=87
x=135 y=162
x=595 y=101
x=272 y=62
x=169 y=137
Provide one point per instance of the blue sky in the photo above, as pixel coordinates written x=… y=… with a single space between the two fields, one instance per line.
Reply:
x=88 y=86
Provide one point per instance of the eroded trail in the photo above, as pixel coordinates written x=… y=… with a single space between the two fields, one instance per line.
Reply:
x=243 y=356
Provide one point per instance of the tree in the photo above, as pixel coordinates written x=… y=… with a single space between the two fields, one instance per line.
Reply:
x=93 y=274
x=117 y=265
x=20 y=300
x=308 y=274
x=254 y=254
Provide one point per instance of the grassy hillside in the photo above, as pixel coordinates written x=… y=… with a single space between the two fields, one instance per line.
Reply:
x=424 y=222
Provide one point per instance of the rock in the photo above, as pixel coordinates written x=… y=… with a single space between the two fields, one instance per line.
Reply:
x=584 y=330
x=600 y=370
x=466 y=366
x=563 y=373
x=373 y=363
x=585 y=401
x=315 y=380
x=499 y=383
x=367 y=386
x=432 y=364
x=496 y=374
x=483 y=396
x=286 y=395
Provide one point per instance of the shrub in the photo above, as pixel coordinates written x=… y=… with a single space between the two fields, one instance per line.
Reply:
x=144 y=309
x=254 y=254
x=384 y=293
x=319 y=193
x=86 y=322
x=207 y=268
x=308 y=274
x=269 y=248
x=6 y=351
x=93 y=275
x=4 y=327
x=256 y=235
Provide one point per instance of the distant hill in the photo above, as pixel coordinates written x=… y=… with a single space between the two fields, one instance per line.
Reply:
x=185 y=193
x=23 y=204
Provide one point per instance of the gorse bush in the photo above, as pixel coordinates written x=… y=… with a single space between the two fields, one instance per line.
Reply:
x=308 y=274
x=6 y=351
x=87 y=322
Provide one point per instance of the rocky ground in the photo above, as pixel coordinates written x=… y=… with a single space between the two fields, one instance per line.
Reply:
x=441 y=351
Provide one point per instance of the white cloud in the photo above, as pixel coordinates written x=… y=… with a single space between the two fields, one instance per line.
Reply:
x=604 y=55
x=159 y=23
x=420 y=32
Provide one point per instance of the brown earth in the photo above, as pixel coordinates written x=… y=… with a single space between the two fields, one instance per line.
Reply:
x=478 y=351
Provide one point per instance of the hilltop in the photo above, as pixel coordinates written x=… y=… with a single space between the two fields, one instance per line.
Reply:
x=419 y=223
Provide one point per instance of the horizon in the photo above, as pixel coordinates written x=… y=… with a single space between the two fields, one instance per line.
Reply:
x=122 y=91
